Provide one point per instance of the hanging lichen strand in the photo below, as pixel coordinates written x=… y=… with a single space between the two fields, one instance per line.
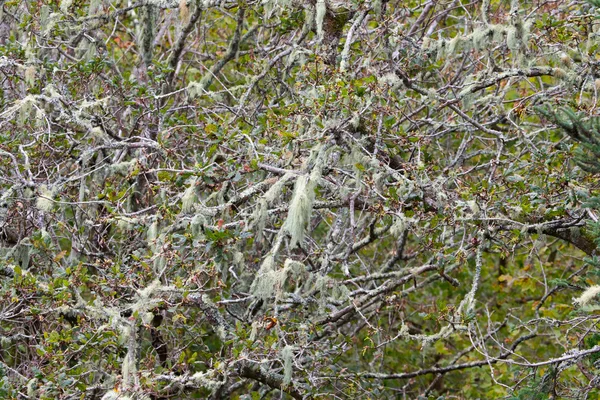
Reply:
x=271 y=277
x=303 y=198
x=147 y=31
x=515 y=34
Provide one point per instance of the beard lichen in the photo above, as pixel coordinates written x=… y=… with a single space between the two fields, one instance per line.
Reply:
x=270 y=280
x=302 y=202
x=189 y=198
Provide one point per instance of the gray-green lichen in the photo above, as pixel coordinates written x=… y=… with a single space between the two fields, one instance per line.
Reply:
x=147 y=31
x=303 y=198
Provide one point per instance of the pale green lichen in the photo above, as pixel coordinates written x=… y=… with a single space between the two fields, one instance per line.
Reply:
x=259 y=219
x=145 y=299
x=30 y=75
x=125 y=371
x=321 y=10
x=302 y=201
x=32 y=388
x=123 y=168
x=267 y=277
x=399 y=225
x=195 y=89
x=197 y=226
x=147 y=29
x=275 y=7
x=300 y=210
x=22 y=108
x=44 y=201
x=64 y=5
x=513 y=41
x=45 y=24
x=377 y=8
x=189 y=197
x=254 y=330
x=516 y=35
x=322 y=285
x=160 y=261
x=207 y=380
x=94 y=7
x=287 y=354
x=40 y=118
x=427 y=340
x=270 y=280
x=125 y=223
x=147 y=318
x=588 y=295
x=452 y=45
x=339 y=292
x=390 y=79
x=152 y=232
x=481 y=38
x=275 y=191
x=329 y=290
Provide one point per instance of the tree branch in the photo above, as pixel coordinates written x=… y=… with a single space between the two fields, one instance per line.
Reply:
x=274 y=380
